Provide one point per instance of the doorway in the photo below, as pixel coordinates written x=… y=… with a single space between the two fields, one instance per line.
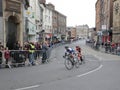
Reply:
x=11 y=34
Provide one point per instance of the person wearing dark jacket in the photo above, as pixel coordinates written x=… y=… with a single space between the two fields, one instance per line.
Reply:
x=44 y=52
x=6 y=56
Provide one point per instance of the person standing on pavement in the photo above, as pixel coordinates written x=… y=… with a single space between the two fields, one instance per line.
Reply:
x=118 y=50
x=6 y=56
x=17 y=45
x=31 y=53
x=0 y=56
x=113 y=47
x=44 y=52
x=107 y=47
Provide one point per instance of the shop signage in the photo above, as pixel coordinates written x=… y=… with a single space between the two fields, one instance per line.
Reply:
x=104 y=27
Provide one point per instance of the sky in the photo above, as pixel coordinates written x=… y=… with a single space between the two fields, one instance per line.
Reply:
x=78 y=12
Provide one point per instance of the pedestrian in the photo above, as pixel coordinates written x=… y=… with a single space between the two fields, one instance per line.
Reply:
x=17 y=45
x=109 y=46
x=31 y=53
x=0 y=57
x=102 y=44
x=118 y=50
x=44 y=52
x=113 y=47
x=6 y=56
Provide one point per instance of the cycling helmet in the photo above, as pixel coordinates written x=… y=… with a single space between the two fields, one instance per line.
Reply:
x=77 y=47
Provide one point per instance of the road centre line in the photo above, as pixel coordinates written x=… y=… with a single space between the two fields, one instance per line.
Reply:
x=30 y=87
x=90 y=71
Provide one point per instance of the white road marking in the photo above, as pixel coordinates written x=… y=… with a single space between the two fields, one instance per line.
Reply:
x=30 y=87
x=90 y=71
x=35 y=86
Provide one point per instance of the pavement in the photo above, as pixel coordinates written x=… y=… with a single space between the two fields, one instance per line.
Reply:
x=101 y=53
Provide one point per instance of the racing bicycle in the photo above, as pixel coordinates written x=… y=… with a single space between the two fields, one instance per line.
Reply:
x=71 y=61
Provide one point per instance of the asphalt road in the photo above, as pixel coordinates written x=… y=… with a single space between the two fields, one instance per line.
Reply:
x=100 y=72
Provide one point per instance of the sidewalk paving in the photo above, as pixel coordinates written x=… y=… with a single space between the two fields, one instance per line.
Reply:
x=100 y=54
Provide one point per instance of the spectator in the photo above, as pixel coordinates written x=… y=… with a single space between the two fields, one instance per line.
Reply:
x=38 y=49
x=102 y=44
x=0 y=57
x=113 y=47
x=17 y=46
x=6 y=56
x=118 y=49
x=31 y=53
x=44 y=52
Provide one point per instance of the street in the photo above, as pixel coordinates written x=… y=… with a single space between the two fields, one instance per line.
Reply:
x=100 y=72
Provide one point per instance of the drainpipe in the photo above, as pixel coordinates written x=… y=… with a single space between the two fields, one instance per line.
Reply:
x=4 y=20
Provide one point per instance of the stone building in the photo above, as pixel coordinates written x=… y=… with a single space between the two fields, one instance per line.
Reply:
x=11 y=22
x=92 y=33
x=98 y=15
x=116 y=21
x=58 y=23
x=82 y=31
x=54 y=23
x=104 y=19
x=33 y=19
x=29 y=20
x=61 y=26
x=20 y=20
x=71 y=32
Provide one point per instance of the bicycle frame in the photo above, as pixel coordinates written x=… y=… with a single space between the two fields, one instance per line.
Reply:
x=70 y=61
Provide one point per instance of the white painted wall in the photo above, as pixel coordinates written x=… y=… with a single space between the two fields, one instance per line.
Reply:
x=37 y=11
x=31 y=21
x=1 y=29
x=47 y=20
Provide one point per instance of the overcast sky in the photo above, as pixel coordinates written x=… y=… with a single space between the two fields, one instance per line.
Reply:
x=78 y=12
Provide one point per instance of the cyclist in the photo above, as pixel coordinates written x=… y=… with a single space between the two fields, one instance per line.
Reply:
x=69 y=50
x=78 y=49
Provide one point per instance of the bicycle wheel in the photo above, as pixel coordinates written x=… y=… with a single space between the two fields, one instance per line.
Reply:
x=83 y=59
x=77 y=63
x=68 y=64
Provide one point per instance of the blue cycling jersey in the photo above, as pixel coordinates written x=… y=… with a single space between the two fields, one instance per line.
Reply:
x=70 y=50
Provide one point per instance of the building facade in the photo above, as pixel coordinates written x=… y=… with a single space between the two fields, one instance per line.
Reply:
x=47 y=22
x=92 y=33
x=29 y=21
x=98 y=15
x=82 y=31
x=61 y=26
x=11 y=22
x=71 y=33
x=55 y=24
x=104 y=19
x=116 y=21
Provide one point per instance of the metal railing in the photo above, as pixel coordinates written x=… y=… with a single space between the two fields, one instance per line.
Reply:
x=20 y=58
